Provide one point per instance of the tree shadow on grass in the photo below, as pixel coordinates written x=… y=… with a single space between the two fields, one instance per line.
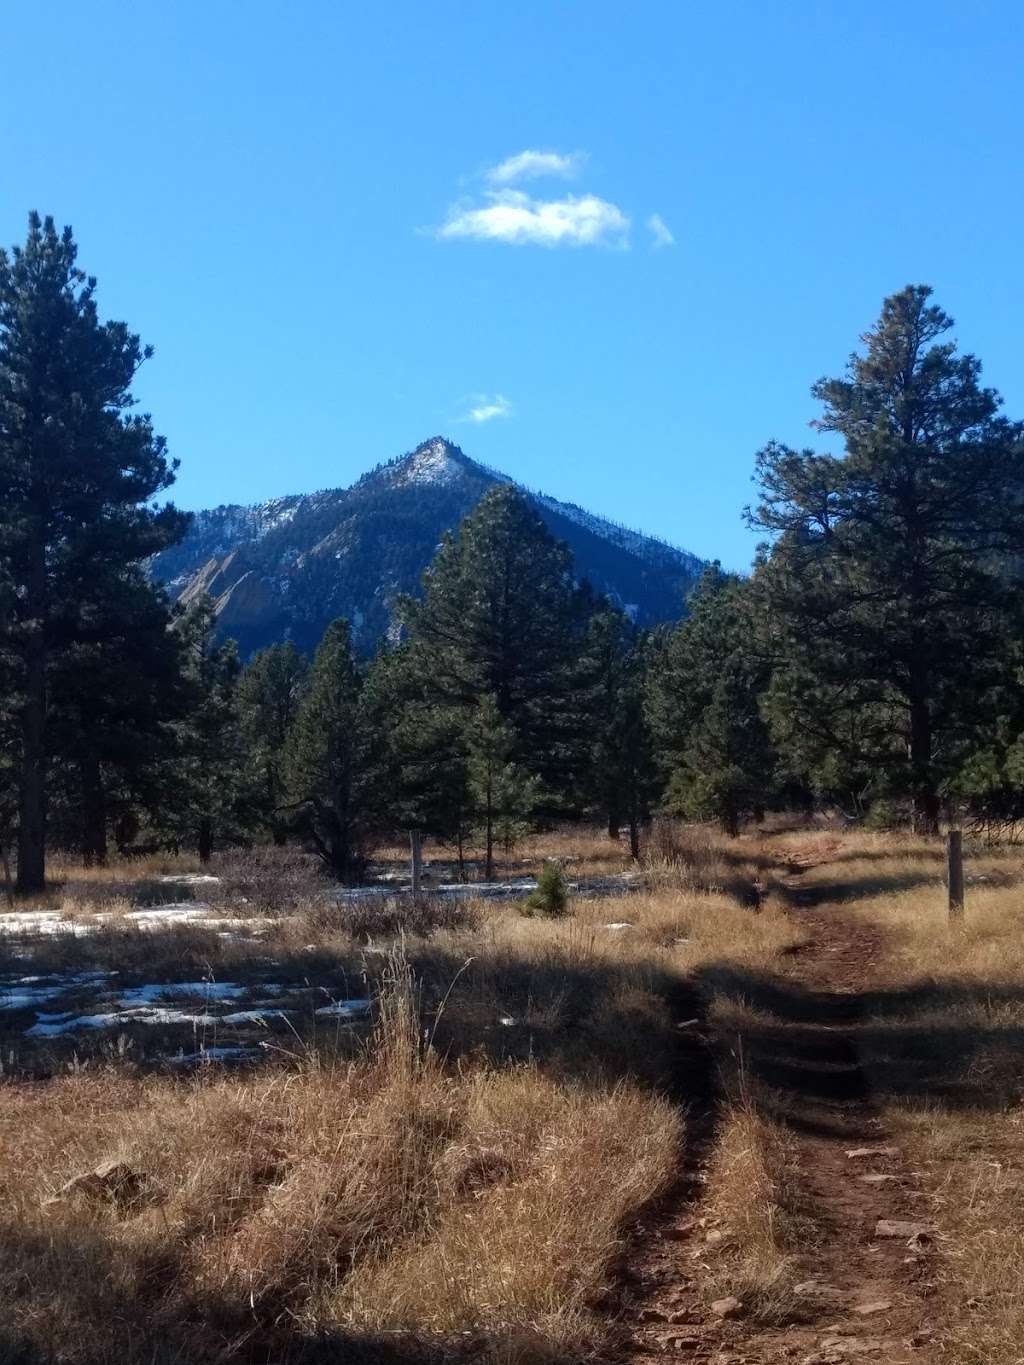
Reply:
x=840 y=890
x=928 y=1042
x=84 y=1304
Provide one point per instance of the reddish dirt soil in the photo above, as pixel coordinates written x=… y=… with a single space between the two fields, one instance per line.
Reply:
x=809 y=1061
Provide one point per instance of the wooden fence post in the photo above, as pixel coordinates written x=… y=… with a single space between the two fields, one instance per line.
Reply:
x=955 y=872
x=416 y=849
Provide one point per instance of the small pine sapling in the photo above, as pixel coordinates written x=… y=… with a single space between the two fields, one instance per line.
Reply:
x=551 y=895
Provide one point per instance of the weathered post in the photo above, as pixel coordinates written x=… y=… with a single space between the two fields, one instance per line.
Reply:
x=416 y=849
x=955 y=872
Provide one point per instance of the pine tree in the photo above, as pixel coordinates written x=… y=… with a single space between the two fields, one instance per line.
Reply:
x=270 y=692
x=78 y=472
x=704 y=707
x=623 y=778
x=113 y=700
x=208 y=800
x=417 y=781
x=504 y=794
x=327 y=760
x=502 y=617
x=885 y=584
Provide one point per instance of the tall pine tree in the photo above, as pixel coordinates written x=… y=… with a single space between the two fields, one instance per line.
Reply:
x=269 y=695
x=327 y=759
x=704 y=705
x=208 y=802
x=502 y=617
x=885 y=584
x=623 y=776
x=78 y=472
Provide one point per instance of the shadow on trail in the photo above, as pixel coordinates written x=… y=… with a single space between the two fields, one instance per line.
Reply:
x=858 y=888
x=818 y=1053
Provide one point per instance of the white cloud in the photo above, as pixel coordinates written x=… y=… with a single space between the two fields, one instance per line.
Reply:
x=485 y=409
x=660 y=233
x=514 y=217
x=529 y=165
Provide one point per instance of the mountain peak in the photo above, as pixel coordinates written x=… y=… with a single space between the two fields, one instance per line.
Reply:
x=436 y=461
x=285 y=569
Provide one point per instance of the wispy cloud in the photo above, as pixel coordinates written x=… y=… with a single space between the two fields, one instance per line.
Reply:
x=531 y=165
x=661 y=235
x=484 y=409
x=515 y=217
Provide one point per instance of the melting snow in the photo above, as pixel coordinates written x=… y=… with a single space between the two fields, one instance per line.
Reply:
x=253 y=1016
x=216 y=1054
x=345 y=1009
x=44 y=922
x=29 y=998
x=188 y=879
x=163 y=990
x=43 y=1029
x=174 y=910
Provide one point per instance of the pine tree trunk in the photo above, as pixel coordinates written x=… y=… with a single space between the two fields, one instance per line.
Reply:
x=730 y=823
x=205 y=841
x=634 y=837
x=489 y=854
x=926 y=799
x=32 y=793
x=94 y=815
x=416 y=861
x=613 y=825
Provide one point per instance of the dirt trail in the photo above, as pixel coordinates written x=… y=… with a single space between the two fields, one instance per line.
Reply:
x=806 y=1055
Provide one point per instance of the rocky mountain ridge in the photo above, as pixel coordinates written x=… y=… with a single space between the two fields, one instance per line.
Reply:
x=284 y=569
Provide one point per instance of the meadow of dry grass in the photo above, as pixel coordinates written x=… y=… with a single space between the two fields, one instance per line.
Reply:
x=455 y=1173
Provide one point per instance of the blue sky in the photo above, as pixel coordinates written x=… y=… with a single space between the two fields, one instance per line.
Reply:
x=316 y=214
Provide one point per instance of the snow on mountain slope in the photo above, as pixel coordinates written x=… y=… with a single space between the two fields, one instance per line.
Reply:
x=285 y=568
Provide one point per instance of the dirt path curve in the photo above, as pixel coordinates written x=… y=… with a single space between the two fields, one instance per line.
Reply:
x=864 y=1297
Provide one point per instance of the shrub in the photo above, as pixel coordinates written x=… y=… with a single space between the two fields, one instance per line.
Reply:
x=376 y=917
x=266 y=880
x=551 y=897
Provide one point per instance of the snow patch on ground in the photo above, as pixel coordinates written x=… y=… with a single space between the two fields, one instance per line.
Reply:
x=344 y=1009
x=510 y=890
x=53 y=1027
x=207 y=1055
x=28 y=998
x=50 y=922
x=188 y=879
x=169 y=990
x=257 y=1016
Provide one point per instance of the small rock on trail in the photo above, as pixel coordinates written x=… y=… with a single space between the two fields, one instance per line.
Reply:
x=729 y=1307
x=898 y=1227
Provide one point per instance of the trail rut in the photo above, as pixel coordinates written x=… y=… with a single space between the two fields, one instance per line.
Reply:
x=802 y=1045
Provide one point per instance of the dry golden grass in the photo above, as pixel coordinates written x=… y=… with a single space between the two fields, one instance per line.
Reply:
x=973 y=1164
x=462 y=1177
x=755 y=1203
x=323 y=1204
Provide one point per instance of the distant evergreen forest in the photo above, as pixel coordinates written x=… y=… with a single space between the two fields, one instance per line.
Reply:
x=872 y=660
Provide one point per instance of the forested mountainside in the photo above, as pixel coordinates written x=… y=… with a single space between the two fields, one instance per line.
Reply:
x=284 y=569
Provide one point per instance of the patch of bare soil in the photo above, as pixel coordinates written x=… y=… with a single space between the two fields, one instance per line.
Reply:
x=858 y=1288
